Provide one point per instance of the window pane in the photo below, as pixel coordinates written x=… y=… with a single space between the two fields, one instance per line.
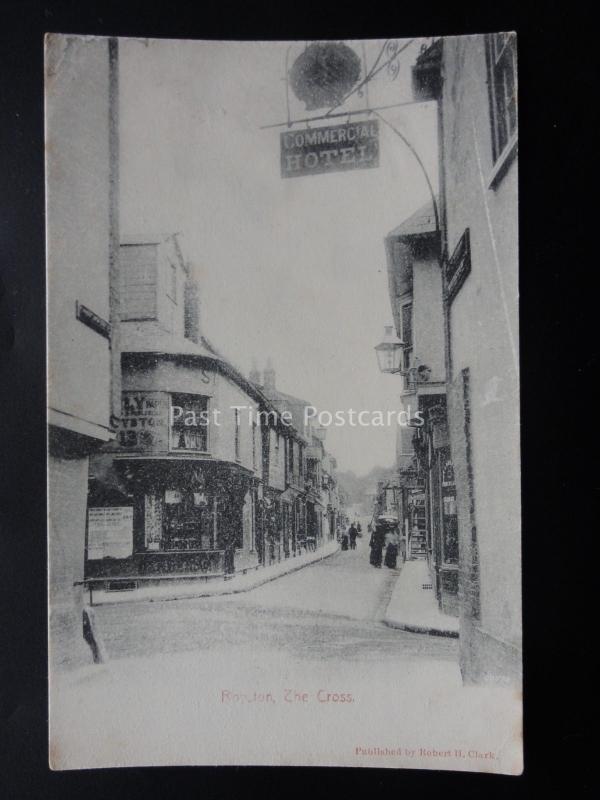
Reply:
x=503 y=89
x=189 y=428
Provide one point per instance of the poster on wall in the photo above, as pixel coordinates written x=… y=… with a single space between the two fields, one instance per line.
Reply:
x=110 y=532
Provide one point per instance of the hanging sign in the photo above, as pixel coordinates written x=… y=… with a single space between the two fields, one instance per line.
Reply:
x=335 y=148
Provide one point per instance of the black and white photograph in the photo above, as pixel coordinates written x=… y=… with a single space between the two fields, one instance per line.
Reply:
x=283 y=402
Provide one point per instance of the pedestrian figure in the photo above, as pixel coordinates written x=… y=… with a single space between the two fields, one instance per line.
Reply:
x=392 y=542
x=352 y=534
x=344 y=541
x=384 y=525
x=376 y=543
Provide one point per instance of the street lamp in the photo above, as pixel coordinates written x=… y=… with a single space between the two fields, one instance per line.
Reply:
x=389 y=352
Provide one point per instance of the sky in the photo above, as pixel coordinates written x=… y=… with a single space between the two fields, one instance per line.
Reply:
x=290 y=269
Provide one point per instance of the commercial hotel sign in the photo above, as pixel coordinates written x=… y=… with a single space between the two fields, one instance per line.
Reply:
x=335 y=148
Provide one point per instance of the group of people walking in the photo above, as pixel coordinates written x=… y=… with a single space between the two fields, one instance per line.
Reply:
x=349 y=537
x=385 y=536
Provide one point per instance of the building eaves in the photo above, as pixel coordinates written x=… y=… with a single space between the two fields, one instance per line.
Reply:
x=422 y=222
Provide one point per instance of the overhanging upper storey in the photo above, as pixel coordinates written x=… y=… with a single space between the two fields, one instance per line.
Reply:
x=415 y=288
x=416 y=239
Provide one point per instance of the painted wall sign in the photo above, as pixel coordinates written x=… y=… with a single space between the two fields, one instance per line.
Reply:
x=110 y=532
x=335 y=148
x=144 y=418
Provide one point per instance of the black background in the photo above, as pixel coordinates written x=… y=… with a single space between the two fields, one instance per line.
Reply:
x=557 y=86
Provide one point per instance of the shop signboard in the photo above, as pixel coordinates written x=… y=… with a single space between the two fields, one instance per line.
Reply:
x=144 y=421
x=173 y=496
x=334 y=148
x=110 y=532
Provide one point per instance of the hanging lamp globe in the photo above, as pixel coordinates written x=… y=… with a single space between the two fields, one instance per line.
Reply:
x=324 y=73
x=389 y=352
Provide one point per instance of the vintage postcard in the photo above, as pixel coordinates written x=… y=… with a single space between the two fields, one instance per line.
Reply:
x=283 y=403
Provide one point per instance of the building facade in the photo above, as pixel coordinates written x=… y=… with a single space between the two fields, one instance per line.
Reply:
x=207 y=474
x=311 y=506
x=290 y=445
x=425 y=470
x=474 y=80
x=83 y=314
x=177 y=492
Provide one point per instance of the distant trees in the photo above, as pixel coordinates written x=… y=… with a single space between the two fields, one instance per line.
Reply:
x=359 y=489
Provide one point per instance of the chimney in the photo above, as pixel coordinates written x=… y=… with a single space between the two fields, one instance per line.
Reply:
x=269 y=376
x=254 y=373
x=191 y=313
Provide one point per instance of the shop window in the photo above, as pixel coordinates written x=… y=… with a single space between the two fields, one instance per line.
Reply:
x=187 y=521
x=501 y=49
x=189 y=422
x=449 y=513
x=254 y=451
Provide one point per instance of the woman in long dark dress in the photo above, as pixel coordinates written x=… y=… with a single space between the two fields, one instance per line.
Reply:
x=376 y=544
x=392 y=541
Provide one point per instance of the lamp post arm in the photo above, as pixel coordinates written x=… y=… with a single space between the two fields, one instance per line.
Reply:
x=419 y=162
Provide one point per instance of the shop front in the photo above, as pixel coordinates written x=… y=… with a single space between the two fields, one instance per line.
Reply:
x=272 y=526
x=300 y=525
x=185 y=517
x=314 y=524
x=435 y=466
x=293 y=529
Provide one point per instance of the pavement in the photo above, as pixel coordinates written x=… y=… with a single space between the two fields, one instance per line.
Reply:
x=243 y=581
x=413 y=608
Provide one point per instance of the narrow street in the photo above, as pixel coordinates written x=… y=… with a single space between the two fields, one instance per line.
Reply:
x=330 y=610
x=301 y=665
